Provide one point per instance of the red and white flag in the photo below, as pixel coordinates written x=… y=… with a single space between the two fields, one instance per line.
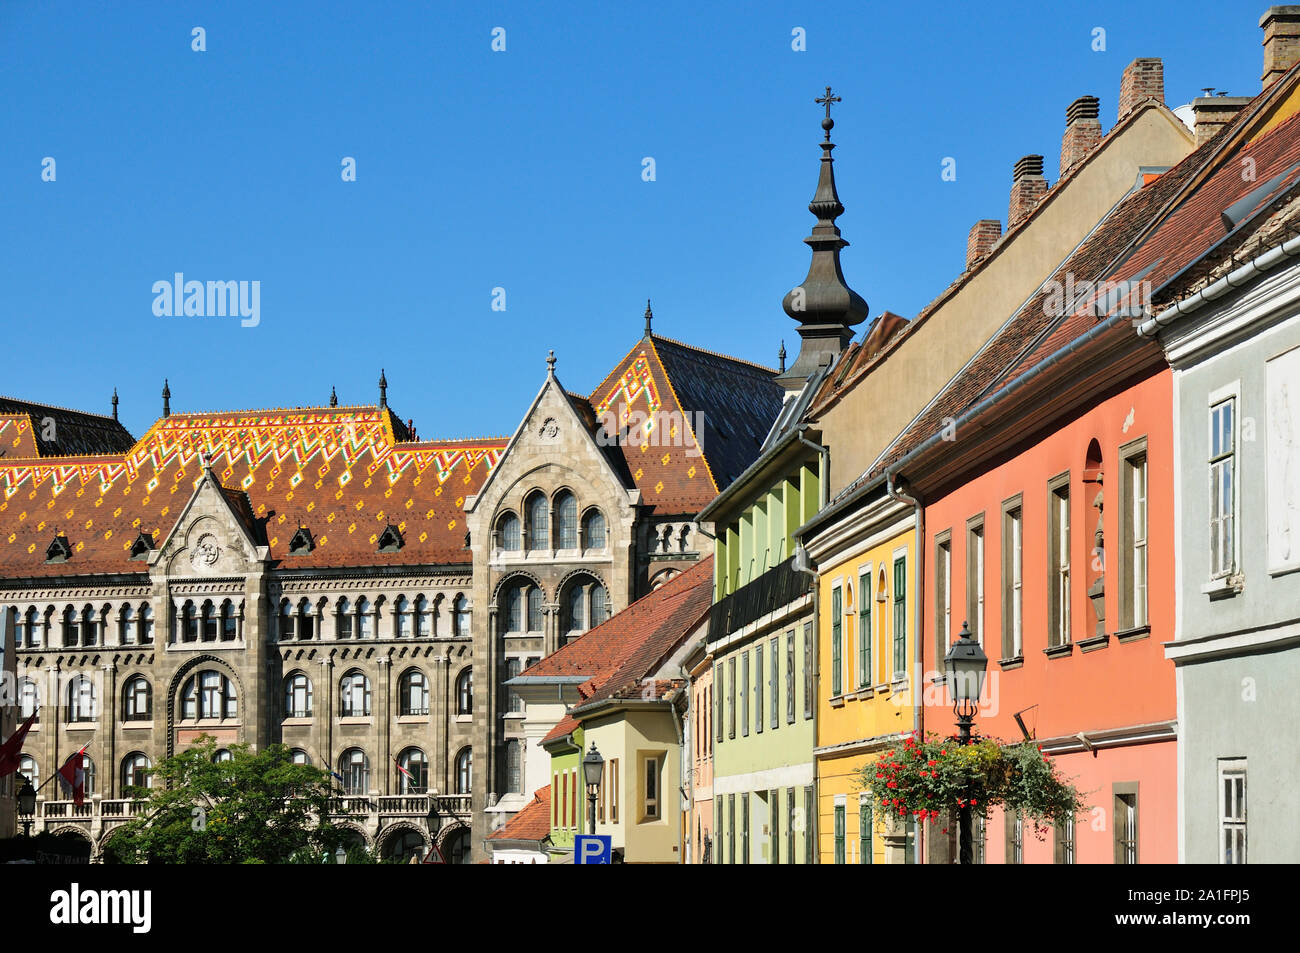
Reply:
x=409 y=776
x=11 y=749
x=73 y=776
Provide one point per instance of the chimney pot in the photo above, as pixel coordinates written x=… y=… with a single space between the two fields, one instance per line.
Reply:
x=1281 y=26
x=1212 y=113
x=983 y=235
x=1143 y=79
x=1082 y=131
x=1027 y=189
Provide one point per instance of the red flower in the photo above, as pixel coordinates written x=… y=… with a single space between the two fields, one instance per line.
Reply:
x=973 y=802
x=892 y=784
x=880 y=777
x=943 y=751
x=932 y=763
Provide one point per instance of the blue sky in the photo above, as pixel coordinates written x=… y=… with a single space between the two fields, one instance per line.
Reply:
x=519 y=170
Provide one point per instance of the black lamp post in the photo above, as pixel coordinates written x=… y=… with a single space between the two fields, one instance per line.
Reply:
x=593 y=767
x=965 y=665
x=26 y=798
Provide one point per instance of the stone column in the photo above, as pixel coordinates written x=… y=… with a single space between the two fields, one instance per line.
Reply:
x=383 y=722
x=108 y=724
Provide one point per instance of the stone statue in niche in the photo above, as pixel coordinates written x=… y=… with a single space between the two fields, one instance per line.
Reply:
x=1097 y=591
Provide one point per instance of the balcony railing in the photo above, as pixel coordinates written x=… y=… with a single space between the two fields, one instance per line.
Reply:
x=777 y=587
x=119 y=810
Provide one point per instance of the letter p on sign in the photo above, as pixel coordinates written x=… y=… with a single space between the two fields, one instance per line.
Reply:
x=592 y=848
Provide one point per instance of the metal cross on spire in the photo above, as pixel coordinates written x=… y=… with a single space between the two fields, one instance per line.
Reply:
x=828 y=123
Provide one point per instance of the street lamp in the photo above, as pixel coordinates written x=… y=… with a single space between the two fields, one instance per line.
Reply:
x=26 y=798
x=340 y=855
x=593 y=767
x=965 y=665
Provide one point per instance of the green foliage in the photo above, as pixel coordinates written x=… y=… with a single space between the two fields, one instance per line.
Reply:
x=926 y=779
x=257 y=807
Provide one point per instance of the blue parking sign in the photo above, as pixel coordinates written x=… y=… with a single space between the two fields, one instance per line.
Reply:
x=592 y=848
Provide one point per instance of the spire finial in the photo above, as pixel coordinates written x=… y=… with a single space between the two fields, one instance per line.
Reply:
x=828 y=123
x=550 y=364
x=115 y=403
x=334 y=397
x=781 y=355
x=649 y=316
x=167 y=399
x=824 y=305
x=383 y=389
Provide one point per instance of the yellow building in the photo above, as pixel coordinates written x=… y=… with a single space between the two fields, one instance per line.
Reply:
x=863 y=547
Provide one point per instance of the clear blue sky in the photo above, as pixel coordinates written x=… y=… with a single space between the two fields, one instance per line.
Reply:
x=520 y=169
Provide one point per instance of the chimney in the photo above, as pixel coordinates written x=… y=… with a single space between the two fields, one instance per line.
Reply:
x=1143 y=79
x=1027 y=189
x=1082 y=131
x=984 y=234
x=1281 y=26
x=1212 y=113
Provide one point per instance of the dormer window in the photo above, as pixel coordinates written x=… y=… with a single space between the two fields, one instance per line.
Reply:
x=302 y=543
x=390 y=540
x=59 y=551
x=142 y=546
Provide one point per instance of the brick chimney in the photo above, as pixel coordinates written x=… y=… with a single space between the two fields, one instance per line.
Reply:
x=1082 y=131
x=1281 y=26
x=984 y=234
x=1143 y=79
x=1212 y=113
x=1027 y=189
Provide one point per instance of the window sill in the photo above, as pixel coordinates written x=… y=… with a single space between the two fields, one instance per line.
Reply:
x=1134 y=634
x=1093 y=644
x=80 y=725
x=1225 y=587
x=412 y=719
x=295 y=721
x=355 y=720
x=882 y=688
x=863 y=693
x=136 y=725
x=464 y=718
x=1010 y=664
x=837 y=701
x=1059 y=651
x=512 y=715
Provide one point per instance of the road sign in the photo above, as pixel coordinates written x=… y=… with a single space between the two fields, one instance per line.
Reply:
x=592 y=848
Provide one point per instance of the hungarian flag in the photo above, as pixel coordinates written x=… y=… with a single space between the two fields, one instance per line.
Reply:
x=73 y=774
x=11 y=749
x=408 y=775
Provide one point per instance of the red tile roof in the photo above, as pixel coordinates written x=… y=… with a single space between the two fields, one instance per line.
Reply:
x=531 y=823
x=340 y=472
x=565 y=727
x=28 y=429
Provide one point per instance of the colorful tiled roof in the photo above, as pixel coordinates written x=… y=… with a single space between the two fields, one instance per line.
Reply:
x=29 y=429
x=701 y=419
x=1155 y=233
x=340 y=471
x=533 y=823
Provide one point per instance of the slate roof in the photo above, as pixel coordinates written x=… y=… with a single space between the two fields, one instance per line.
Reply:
x=731 y=403
x=1155 y=233
x=533 y=823
x=340 y=471
x=22 y=424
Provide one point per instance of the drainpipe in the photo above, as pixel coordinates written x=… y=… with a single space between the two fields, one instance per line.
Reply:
x=918 y=720
x=801 y=564
x=682 y=761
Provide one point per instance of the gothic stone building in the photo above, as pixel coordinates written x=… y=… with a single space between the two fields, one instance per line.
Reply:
x=320 y=578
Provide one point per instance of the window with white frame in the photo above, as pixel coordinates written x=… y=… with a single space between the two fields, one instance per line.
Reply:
x=900 y=617
x=1223 y=486
x=297 y=696
x=413 y=693
x=975 y=578
x=1058 y=550
x=864 y=627
x=137 y=699
x=1013 y=579
x=943 y=593
x=1232 y=811
x=1133 y=534
x=354 y=695
x=354 y=768
x=837 y=641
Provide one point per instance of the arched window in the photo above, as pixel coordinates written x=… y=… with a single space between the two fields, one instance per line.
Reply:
x=69 y=627
x=189 y=622
x=535 y=599
x=464 y=771
x=508 y=532
x=229 y=621
x=297 y=696
x=423 y=618
x=576 y=606
x=404 y=845
x=222 y=755
x=402 y=617
x=354 y=695
x=598 y=611
x=566 y=521
x=88 y=767
x=298 y=756
x=413 y=693
x=210 y=621
x=343 y=623
x=29 y=698
x=514 y=766
x=286 y=620
x=365 y=619
x=209 y=695
x=465 y=692
x=514 y=607
x=413 y=773
x=89 y=627
x=81 y=699
x=137 y=699
x=126 y=631
x=585 y=603
x=538 y=524
x=306 y=619
x=146 y=624
x=27 y=765
x=135 y=771
x=460 y=612
x=33 y=639
x=456 y=847
x=593 y=530
x=354 y=767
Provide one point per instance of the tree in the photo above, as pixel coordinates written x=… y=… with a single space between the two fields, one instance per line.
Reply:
x=256 y=807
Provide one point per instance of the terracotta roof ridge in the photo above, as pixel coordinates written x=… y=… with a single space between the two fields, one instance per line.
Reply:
x=717 y=354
